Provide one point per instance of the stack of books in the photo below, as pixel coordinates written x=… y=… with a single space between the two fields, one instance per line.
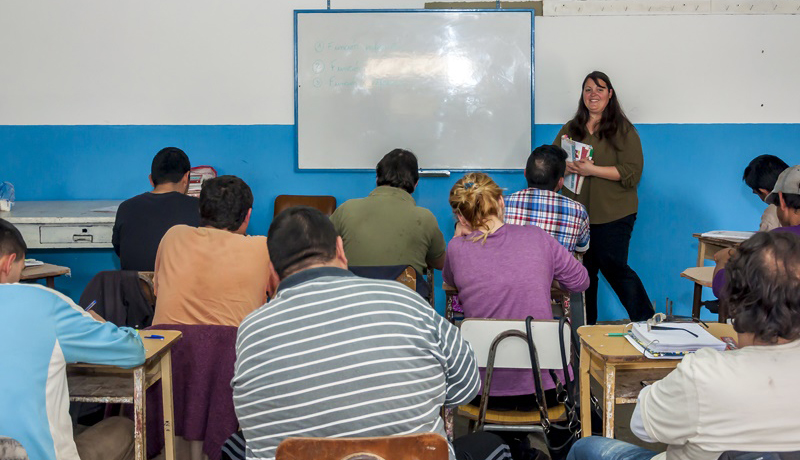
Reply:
x=671 y=340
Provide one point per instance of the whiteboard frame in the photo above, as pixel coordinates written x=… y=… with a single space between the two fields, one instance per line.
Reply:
x=532 y=14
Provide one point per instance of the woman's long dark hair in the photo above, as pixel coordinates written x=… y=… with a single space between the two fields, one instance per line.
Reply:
x=612 y=121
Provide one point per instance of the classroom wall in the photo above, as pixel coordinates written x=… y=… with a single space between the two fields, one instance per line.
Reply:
x=91 y=91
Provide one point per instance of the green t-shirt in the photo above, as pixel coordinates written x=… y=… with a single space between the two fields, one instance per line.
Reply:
x=388 y=228
x=606 y=200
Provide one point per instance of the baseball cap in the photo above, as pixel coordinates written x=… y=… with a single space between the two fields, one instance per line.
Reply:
x=788 y=182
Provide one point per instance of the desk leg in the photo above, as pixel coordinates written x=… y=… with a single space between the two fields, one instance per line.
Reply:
x=586 y=393
x=139 y=420
x=696 y=299
x=166 y=395
x=51 y=282
x=701 y=254
x=609 y=401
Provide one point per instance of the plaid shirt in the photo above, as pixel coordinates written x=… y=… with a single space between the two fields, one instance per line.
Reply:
x=565 y=219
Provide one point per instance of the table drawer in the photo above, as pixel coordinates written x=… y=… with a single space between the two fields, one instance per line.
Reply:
x=75 y=235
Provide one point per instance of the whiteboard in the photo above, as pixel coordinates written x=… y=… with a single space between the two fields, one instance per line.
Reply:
x=454 y=87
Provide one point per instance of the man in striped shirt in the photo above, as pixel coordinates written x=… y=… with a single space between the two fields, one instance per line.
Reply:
x=334 y=355
x=540 y=204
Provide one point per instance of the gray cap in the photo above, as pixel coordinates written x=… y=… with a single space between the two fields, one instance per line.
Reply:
x=788 y=182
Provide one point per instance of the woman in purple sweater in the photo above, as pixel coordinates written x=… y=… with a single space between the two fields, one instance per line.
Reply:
x=505 y=271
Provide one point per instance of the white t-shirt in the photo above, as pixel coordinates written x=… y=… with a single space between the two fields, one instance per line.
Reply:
x=744 y=400
x=769 y=220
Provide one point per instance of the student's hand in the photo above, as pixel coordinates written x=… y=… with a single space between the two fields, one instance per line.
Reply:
x=461 y=230
x=722 y=257
x=583 y=167
x=96 y=316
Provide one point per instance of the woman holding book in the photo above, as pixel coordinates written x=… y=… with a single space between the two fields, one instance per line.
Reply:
x=608 y=192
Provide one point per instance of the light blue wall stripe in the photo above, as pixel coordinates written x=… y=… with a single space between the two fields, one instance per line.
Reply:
x=692 y=182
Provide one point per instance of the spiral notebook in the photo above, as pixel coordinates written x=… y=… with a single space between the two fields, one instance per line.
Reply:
x=671 y=340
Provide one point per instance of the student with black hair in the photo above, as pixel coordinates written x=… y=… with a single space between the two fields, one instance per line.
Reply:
x=214 y=274
x=541 y=205
x=41 y=332
x=760 y=175
x=144 y=219
x=387 y=227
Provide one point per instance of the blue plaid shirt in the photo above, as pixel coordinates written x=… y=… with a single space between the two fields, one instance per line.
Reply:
x=565 y=219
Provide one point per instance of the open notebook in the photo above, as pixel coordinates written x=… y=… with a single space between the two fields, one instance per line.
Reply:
x=671 y=340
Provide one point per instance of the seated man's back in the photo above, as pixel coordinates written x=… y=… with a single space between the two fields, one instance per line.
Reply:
x=564 y=219
x=209 y=276
x=143 y=220
x=335 y=355
x=214 y=274
x=387 y=227
x=41 y=332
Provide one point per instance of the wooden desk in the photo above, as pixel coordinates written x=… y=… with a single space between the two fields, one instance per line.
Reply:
x=48 y=272
x=63 y=224
x=111 y=384
x=707 y=247
x=620 y=368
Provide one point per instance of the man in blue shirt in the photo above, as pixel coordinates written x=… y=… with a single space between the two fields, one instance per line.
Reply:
x=41 y=331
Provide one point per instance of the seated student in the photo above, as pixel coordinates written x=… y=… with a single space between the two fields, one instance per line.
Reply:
x=387 y=227
x=540 y=204
x=504 y=271
x=785 y=196
x=43 y=330
x=144 y=219
x=741 y=400
x=335 y=355
x=213 y=274
x=760 y=175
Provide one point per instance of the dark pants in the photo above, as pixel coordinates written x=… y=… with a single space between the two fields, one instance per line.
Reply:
x=608 y=254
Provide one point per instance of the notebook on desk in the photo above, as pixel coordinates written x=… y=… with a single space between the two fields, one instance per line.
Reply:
x=671 y=340
x=728 y=235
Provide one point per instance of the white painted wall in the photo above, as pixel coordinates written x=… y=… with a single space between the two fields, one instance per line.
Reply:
x=202 y=62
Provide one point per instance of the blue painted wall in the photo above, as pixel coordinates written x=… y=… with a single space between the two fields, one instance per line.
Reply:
x=692 y=183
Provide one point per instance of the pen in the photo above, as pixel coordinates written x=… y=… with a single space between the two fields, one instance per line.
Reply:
x=91 y=305
x=616 y=334
x=156 y=337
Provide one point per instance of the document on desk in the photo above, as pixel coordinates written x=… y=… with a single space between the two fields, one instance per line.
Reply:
x=728 y=235
x=671 y=340
x=106 y=209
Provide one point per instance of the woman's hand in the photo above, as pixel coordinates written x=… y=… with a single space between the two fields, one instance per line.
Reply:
x=583 y=167
x=461 y=230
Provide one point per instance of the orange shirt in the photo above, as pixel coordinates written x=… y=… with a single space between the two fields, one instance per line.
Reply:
x=210 y=276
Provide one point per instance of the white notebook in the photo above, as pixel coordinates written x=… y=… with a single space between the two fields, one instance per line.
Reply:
x=676 y=337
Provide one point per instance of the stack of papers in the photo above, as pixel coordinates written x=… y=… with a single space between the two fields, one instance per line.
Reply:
x=33 y=262
x=672 y=340
x=728 y=235
x=575 y=151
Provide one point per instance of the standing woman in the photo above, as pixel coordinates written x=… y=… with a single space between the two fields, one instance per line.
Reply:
x=608 y=192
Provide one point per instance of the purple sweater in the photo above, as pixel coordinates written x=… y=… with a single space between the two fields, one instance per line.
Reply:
x=719 y=279
x=509 y=277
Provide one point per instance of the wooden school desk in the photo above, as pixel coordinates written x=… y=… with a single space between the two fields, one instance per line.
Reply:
x=110 y=384
x=47 y=272
x=620 y=369
x=707 y=247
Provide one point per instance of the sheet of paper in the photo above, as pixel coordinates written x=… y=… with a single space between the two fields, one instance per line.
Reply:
x=106 y=209
x=729 y=235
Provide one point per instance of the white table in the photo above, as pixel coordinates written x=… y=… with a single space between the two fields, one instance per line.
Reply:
x=63 y=224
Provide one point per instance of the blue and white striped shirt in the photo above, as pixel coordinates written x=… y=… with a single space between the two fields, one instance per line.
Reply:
x=335 y=355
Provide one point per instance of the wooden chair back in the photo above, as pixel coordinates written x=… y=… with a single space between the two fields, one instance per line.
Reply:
x=408 y=278
x=423 y=446
x=325 y=203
